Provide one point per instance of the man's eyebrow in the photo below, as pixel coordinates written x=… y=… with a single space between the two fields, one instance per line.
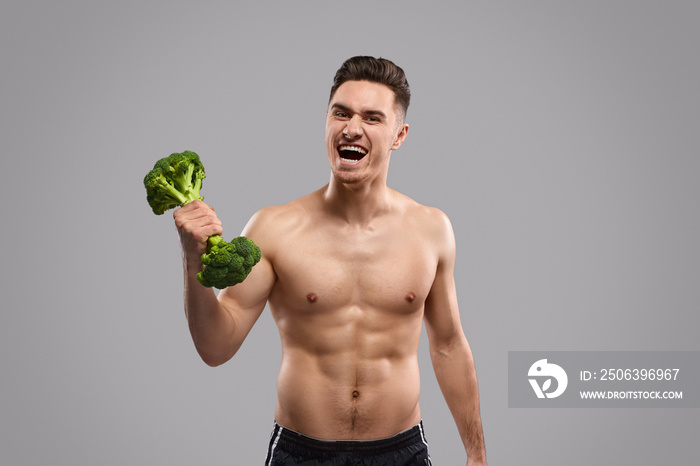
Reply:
x=375 y=113
x=364 y=112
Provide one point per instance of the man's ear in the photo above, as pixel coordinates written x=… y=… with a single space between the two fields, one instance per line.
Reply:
x=400 y=136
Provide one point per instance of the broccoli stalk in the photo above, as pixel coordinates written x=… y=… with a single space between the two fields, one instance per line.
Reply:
x=175 y=181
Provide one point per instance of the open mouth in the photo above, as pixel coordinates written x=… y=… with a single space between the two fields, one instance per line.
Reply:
x=351 y=153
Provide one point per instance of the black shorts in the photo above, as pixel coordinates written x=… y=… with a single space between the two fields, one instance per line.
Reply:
x=407 y=448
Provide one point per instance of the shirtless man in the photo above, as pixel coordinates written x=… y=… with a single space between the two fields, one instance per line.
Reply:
x=350 y=272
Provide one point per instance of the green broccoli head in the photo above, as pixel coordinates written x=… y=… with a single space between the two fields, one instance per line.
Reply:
x=227 y=264
x=174 y=181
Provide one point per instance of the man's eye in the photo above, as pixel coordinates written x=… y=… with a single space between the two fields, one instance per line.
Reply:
x=341 y=114
x=373 y=119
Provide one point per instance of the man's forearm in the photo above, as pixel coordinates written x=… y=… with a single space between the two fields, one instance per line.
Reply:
x=211 y=326
x=456 y=375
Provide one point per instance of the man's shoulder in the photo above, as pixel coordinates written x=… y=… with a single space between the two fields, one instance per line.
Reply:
x=430 y=222
x=422 y=214
x=283 y=215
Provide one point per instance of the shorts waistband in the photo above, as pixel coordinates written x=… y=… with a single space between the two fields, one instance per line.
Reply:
x=401 y=440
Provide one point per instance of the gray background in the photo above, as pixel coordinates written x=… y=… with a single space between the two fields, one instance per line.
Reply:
x=560 y=137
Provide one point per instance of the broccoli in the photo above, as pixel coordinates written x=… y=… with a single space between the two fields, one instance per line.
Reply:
x=175 y=181
x=227 y=264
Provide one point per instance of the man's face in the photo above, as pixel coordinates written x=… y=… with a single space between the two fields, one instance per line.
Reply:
x=363 y=126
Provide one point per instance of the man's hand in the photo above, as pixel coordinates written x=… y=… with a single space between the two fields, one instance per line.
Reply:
x=195 y=223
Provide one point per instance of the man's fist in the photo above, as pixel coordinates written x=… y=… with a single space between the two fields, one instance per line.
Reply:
x=195 y=223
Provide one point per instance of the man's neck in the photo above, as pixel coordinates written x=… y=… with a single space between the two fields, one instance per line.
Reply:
x=358 y=203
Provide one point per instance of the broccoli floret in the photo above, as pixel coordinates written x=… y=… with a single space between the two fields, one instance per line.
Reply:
x=227 y=264
x=175 y=181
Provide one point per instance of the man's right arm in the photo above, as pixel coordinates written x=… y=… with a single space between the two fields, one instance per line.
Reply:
x=219 y=325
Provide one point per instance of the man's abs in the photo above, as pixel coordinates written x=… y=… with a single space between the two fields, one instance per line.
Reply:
x=343 y=397
x=349 y=358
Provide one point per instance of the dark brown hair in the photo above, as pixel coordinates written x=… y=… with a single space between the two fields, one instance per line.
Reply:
x=377 y=70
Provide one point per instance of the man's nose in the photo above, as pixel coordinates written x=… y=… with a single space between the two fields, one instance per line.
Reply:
x=353 y=128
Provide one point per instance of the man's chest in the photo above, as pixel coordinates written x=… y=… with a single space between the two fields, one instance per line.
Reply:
x=385 y=270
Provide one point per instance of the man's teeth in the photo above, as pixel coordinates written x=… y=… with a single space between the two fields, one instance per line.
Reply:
x=354 y=148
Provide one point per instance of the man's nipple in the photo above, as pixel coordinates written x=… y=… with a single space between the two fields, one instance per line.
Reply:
x=410 y=297
x=311 y=297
